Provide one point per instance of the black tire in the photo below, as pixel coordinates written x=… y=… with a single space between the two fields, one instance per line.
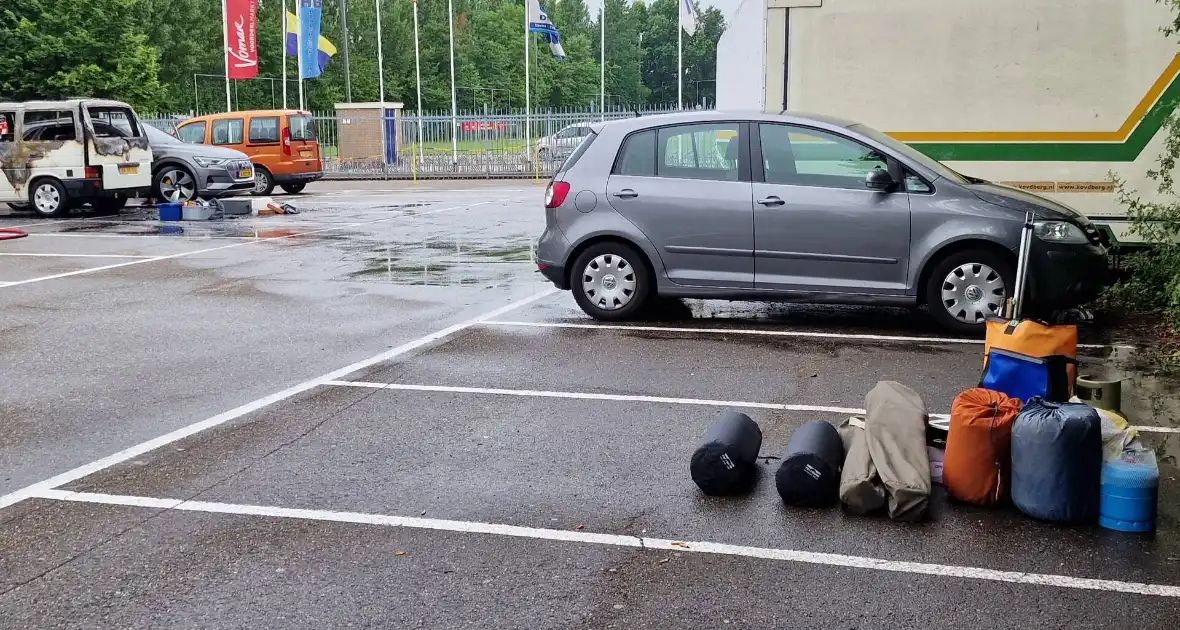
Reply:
x=45 y=210
x=158 y=180
x=295 y=188
x=990 y=304
x=629 y=266
x=109 y=205
x=264 y=182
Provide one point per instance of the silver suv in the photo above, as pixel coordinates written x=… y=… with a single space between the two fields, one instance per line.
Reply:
x=801 y=208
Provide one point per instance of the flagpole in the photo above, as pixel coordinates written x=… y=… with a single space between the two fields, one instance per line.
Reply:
x=528 y=140
x=299 y=53
x=284 y=49
x=381 y=83
x=229 y=105
x=602 y=61
x=418 y=79
x=454 y=105
x=680 y=57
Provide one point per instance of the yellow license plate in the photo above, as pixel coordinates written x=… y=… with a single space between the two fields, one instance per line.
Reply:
x=244 y=173
x=305 y=154
x=128 y=170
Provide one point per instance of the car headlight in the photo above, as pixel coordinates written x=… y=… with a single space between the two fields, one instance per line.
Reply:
x=206 y=162
x=1059 y=232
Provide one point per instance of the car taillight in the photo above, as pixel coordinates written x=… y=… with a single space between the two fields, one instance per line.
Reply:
x=93 y=172
x=555 y=194
x=287 y=140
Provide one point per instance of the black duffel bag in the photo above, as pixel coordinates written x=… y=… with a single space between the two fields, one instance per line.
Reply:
x=726 y=462
x=810 y=473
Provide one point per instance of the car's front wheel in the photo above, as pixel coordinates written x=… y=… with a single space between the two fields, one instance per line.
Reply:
x=611 y=281
x=967 y=287
x=174 y=184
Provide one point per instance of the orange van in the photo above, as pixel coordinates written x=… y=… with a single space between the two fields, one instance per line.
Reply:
x=281 y=143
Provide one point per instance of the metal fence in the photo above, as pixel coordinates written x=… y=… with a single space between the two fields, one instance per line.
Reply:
x=469 y=145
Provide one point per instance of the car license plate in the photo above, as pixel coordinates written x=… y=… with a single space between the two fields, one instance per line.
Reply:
x=305 y=154
x=245 y=173
x=128 y=170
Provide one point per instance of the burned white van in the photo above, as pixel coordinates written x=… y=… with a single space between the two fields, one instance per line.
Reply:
x=55 y=155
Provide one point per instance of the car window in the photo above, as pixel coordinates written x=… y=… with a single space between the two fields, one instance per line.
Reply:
x=568 y=132
x=7 y=126
x=302 y=127
x=638 y=155
x=50 y=125
x=915 y=184
x=227 y=131
x=699 y=152
x=809 y=157
x=265 y=129
x=192 y=133
x=577 y=154
x=120 y=122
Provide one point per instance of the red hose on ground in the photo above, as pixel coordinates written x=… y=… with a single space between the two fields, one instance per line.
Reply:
x=7 y=234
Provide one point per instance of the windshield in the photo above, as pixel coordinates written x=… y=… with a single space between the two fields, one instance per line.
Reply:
x=911 y=154
x=155 y=136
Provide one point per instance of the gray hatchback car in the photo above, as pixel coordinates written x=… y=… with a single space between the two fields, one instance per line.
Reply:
x=802 y=208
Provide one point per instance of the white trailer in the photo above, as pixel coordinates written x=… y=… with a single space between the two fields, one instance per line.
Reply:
x=1052 y=96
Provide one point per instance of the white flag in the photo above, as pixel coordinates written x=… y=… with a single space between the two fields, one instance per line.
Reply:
x=688 y=17
x=539 y=23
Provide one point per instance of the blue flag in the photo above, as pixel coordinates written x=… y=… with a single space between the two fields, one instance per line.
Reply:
x=539 y=23
x=310 y=12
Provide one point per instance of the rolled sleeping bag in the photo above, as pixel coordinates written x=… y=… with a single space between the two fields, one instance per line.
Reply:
x=1057 y=461
x=726 y=462
x=809 y=475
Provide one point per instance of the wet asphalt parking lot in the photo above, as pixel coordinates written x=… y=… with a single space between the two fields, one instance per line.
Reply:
x=376 y=414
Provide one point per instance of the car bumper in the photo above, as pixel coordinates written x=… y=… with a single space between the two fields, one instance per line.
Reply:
x=297 y=178
x=1066 y=276
x=216 y=182
x=552 y=251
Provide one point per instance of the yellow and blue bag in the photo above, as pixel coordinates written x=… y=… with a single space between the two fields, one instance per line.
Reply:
x=1026 y=358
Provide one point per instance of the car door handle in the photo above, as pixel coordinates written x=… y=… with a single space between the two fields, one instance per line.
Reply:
x=771 y=201
x=626 y=193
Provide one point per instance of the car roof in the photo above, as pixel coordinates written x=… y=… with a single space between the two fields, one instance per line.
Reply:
x=248 y=112
x=703 y=116
x=68 y=103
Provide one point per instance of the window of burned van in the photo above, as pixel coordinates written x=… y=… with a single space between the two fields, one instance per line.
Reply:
x=113 y=122
x=55 y=125
x=7 y=126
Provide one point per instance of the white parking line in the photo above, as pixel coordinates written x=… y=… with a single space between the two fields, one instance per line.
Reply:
x=221 y=247
x=72 y=255
x=620 y=540
x=770 y=333
x=40 y=223
x=179 y=434
x=704 y=402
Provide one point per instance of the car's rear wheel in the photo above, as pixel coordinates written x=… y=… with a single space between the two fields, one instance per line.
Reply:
x=611 y=281
x=295 y=188
x=967 y=287
x=48 y=198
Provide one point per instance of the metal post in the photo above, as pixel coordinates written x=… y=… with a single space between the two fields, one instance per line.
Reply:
x=229 y=106
x=344 y=48
x=418 y=79
x=602 y=61
x=454 y=105
x=196 y=97
x=528 y=144
x=381 y=83
x=284 y=53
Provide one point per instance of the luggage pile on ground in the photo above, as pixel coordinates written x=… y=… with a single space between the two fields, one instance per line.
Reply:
x=1022 y=436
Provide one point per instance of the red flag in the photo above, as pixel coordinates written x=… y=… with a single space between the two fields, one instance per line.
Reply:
x=241 y=31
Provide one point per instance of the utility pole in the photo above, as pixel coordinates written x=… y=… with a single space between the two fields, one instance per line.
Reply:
x=344 y=48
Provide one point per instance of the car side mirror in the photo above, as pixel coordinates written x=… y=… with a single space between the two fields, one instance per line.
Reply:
x=879 y=179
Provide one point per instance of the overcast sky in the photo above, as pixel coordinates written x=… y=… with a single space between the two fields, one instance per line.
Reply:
x=727 y=7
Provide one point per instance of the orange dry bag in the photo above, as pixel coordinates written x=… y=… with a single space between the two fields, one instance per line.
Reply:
x=978 y=453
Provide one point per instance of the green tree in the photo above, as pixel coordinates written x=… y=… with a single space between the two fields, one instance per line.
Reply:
x=51 y=52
